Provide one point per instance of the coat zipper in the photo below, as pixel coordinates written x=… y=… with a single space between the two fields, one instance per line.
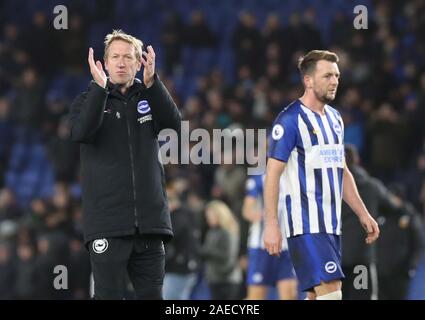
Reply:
x=133 y=176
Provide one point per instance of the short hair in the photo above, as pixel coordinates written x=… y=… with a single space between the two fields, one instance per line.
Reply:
x=307 y=63
x=121 y=35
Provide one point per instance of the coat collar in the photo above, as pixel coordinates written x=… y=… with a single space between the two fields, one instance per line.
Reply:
x=113 y=89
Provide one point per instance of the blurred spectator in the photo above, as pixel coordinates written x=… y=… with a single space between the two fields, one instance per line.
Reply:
x=291 y=33
x=52 y=250
x=172 y=38
x=353 y=118
x=6 y=137
x=36 y=214
x=7 y=271
x=9 y=209
x=229 y=185
x=64 y=154
x=57 y=217
x=341 y=29
x=79 y=269
x=72 y=44
x=37 y=39
x=247 y=43
x=220 y=252
x=387 y=133
x=182 y=254
x=355 y=251
x=25 y=286
x=55 y=110
x=28 y=107
x=415 y=184
x=272 y=32
x=197 y=33
x=400 y=248
x=13 y=57
x=309 y=34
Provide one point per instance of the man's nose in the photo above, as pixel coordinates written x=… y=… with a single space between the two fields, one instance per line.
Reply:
x=121 y=63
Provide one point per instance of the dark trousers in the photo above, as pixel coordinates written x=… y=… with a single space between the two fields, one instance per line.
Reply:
x=393 y=287
x=141 y=257
x=224 y=291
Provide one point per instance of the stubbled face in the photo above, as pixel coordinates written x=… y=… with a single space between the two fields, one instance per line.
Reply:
x=324 y=81
x=121 y=62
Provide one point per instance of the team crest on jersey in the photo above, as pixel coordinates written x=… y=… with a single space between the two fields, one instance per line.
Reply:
x=100 y=245
x=143 y=107
x=277 y=132
x=337 y=128
x=330 y=267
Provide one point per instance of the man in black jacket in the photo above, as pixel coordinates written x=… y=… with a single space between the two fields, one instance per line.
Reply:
x=125 y=212
x=399 y=249
x=355 y=252
x=182 y=254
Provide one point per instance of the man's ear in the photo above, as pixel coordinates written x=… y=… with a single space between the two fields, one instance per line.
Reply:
x=105 y=63
x=308 y=81
x=139 y=65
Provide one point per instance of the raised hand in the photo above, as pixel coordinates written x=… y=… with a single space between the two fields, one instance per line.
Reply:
x=148 y=61
x=96 y=70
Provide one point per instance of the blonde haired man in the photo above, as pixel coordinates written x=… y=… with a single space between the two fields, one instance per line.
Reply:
x=125 y=211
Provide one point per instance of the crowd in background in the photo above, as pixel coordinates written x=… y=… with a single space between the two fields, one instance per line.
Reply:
x=225 y=69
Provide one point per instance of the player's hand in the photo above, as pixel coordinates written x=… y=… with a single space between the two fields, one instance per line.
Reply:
x=371 y=227
x=273 y=239
x=148 y=61
x=96 y=69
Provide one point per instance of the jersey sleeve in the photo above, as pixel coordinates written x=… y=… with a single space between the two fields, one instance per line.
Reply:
x=283 y=138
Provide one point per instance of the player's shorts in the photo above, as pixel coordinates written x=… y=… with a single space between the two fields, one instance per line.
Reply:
x=316 y=257
x=267 y=270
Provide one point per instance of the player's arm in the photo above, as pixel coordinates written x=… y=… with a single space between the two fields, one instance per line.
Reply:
x=352 y=197
x=272 y=234
x=250 y=209
x=283 y=140
x=271 y=189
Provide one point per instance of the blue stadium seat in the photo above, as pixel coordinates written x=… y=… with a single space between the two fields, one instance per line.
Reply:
x=30 y=174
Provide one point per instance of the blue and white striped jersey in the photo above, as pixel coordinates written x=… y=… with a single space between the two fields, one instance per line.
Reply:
x=254 y=188
x=312 y=147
